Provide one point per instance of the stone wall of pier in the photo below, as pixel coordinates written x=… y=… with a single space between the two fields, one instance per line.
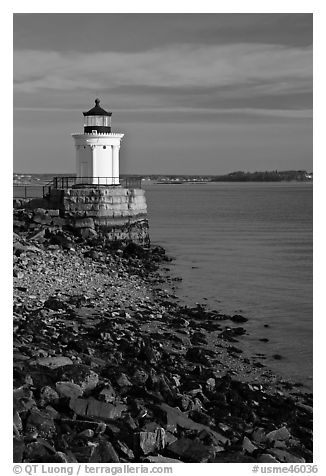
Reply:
x=118 y=213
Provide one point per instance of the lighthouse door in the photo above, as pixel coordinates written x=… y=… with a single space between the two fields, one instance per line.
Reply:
x=84 y=171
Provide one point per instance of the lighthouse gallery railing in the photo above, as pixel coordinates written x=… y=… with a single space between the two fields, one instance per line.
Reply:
x=75 y=182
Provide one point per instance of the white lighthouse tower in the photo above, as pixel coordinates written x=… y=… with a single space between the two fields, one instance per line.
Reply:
x=97 y=149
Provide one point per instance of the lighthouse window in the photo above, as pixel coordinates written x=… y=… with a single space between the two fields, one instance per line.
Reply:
x=104 y=147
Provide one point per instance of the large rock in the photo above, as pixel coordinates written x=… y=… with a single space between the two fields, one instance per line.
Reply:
x=247 y=445
x=151 y=441
x=192 y=451
x=81 y=375
x=69 y=389
x=175 y=418
x=104 y=453
x=48 y=395
x=55 y=304
x=42 y=422
x=282 y=434
x=54 y=362
x=95 y=409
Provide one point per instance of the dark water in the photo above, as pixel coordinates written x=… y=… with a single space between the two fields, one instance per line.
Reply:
x=246 y=248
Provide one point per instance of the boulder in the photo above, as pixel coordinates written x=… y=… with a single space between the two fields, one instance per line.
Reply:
x=48 y=395
x=151 y=441
x=175 y=418
x=248 y=446
x=80 y=375
x=192 y=451
x=104 y=452
x=95 y=409
x=238 y=318
x=107 y=394
x=69 y=389
x=42 y=422
x=55 y=304
x=54 y=362
x=282 y=434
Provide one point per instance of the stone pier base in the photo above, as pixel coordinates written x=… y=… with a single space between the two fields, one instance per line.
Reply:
x=116 y=212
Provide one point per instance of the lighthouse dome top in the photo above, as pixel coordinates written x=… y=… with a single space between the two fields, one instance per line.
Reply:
x=97 y=110
x=97 y=120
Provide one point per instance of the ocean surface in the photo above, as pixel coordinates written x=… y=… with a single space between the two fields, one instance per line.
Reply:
x=245 y=248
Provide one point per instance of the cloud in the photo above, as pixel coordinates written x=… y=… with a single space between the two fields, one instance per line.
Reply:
x=268 y=67
x=286 y=113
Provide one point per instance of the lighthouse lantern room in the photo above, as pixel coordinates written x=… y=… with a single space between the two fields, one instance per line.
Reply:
x=97 y=149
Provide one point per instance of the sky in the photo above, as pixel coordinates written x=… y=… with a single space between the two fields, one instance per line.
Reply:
x=193 y=93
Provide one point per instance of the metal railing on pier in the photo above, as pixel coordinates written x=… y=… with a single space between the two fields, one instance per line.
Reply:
x=30 y=191
x=76 y=182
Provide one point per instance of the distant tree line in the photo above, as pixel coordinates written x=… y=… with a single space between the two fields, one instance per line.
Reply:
x=267 y=176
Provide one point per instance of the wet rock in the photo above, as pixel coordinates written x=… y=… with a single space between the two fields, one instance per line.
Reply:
x=35 y=451
x=238 y=318
x=160 y=459
x=210 y=384
x=104 y=453
x=285 y=456
x=200 y=355
x=42 y=422
x=48 y=395
x=17 y=423
x=247 y=445
x=68 y=457
x=55 y=304
x=191 y=451
x=140 y=377
x=266 y=458
x=149 y=442
x=125 y=450
x=282 y=434
x=82 y=376
x=54 y=362
x=130 y=423
x=123 y=381
x=77 y=300
x=175 y=418
x=184 y=401
x=95 y=409
x=18 y=449
x=229 y=333
x=134 y=250
x=61 y=239
x=69 y=389
x=200 y=417
x=107 y=394
x=259 y=435
x=88 y=433
x=233 y=457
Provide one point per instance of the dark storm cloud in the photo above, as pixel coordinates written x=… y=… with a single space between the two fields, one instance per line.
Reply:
x=139 y=32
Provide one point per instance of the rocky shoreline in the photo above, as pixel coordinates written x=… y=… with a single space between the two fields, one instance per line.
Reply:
x=109 y=367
